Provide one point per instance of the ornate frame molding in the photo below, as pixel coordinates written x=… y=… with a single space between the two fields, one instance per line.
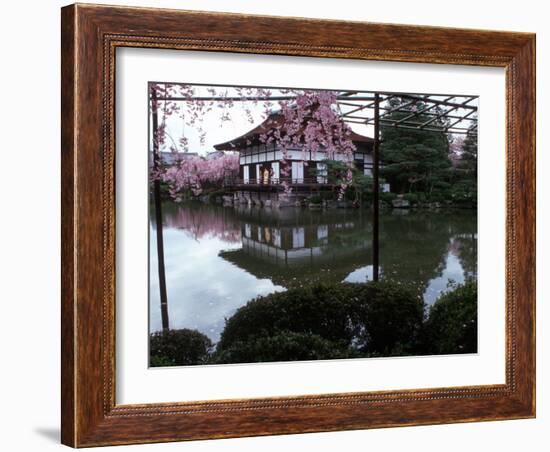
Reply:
x=90 y=37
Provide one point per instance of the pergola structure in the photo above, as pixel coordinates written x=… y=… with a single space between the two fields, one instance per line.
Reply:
x=439 y=113
x=449 y=114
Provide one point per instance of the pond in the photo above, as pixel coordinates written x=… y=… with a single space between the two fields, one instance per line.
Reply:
x=218 y=258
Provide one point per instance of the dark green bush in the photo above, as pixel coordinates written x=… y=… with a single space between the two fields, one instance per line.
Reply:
x=161 y=361
x=331 y=322
x=178 y=348
x=411 y=197
x=315 y=199
x=283 y=346
x=441 y=185
x=465 y=193
x=356 y=319
x=452 y=323
x=390 y=318
x=437 y=196
x=387 y=197
x=320 y=309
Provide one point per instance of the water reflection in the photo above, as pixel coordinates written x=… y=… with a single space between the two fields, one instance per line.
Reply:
x=218 y=258
x=293 y=247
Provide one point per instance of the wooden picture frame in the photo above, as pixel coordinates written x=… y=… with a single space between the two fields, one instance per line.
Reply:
x=90 y=36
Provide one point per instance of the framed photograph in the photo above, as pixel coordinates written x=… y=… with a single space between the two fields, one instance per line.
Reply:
x=281 y=225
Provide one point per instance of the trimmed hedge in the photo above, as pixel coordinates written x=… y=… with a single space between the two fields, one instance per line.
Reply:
x=315 y=199
x=283 y=346
x=452 y=323
x=331 y=321
x=374 y=319
x=179 y=348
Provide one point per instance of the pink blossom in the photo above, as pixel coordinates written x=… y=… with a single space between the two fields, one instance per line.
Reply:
x=310 y=121
x=196 y=173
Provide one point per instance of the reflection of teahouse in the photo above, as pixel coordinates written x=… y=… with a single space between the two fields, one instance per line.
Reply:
x=290 y=252
x=261 y=175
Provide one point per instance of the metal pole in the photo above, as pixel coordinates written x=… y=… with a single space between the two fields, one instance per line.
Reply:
x=376 y=188
x=158 y=217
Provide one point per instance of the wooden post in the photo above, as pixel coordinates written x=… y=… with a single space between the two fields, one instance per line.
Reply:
x=158 y=217
x=375 y=188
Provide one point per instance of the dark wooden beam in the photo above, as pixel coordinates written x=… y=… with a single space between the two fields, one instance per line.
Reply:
x=376 y=189
x=158 y=217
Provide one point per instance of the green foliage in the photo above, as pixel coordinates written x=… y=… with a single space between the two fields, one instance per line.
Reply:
x=372 y=319
x=335 y=321
x=438 y=196
x=417 y=161
x=319 y=309
x=178 y=348
x=464 y=187
x=164 y=190
x=161 y=361
x=360 y=187
x=468 y=156
x=362 y=182
x=464 y=192
x=414 y=159
x=413 y=198
x=335 y=171
x=315 y=199
x=390 y=318
x=452 y=323
x=283 y=346
x=387 y=197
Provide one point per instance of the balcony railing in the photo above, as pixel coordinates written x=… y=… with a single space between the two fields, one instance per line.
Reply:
x=278 y=181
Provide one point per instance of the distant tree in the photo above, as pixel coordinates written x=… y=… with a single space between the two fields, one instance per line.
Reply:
x=356 y=187
x=465 y=172
x=468 y=155
x=414 y=159
x=335 y=171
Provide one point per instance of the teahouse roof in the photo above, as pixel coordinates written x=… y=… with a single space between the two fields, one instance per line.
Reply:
x=275 y=119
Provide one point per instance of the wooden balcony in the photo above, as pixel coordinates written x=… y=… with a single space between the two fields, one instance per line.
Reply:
x=275 y=184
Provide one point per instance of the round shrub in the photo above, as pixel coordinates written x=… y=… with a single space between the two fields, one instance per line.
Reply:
x=387 y=197
x=452 y=323
x=437 y=196
x=178 y=348
x=413 y=198
x=315 y=199
x=320 y=309
x=389 y=318
x=283 y=346
x=370 y=319
x=465 y=193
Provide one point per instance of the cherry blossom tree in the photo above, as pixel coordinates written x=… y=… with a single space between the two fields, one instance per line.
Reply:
x=310 y=121
x=195 y=173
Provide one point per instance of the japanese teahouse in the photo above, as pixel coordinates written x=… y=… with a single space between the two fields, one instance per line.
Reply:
x=450 y=114
x=261 y=176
